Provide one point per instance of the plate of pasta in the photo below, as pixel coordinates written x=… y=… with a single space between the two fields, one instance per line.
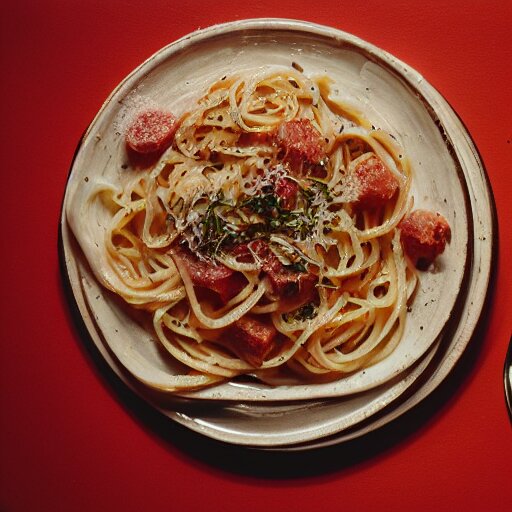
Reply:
x=269 y=211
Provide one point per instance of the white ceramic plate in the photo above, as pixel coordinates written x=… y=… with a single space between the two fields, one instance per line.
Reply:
x=394 y=98
x=314 y=422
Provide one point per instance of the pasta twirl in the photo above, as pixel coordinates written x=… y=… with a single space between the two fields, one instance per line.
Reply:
x=265 y=237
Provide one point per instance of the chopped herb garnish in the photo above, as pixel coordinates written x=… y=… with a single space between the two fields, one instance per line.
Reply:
x=263 y=204
x=306 y=312
x=297 y=267
x=224 y=224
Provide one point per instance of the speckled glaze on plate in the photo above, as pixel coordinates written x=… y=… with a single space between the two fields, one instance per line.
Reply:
x=449 y=178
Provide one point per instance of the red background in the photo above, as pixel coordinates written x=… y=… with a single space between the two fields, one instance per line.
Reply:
x=72 y=439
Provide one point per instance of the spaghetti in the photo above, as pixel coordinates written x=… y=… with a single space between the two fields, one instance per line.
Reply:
x=265 y=237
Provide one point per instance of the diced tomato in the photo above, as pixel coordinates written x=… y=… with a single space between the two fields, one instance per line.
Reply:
x=375 y=183
x=256 y=138
x=287 y=190
x=151 y=131
x=294 y=288
x=302 y=144
x=268 y=260
x=214 y=276
x=258 y=247
x=424 y=235
x=251 y=339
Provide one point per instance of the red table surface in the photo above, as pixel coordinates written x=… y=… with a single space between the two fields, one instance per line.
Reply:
x=72 y=439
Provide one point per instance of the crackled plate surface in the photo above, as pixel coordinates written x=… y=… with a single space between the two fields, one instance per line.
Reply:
x=393 y=96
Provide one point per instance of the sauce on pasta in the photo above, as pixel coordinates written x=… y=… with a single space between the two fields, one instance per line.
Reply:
x=265 y=238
